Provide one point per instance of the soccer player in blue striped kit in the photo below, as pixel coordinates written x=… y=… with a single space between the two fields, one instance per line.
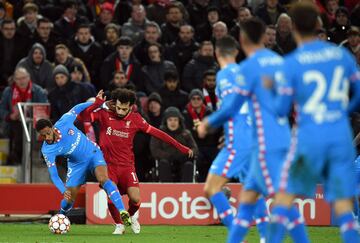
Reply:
x=317 y=79
x=271 y=133
x=83 y=155
x=234 y=159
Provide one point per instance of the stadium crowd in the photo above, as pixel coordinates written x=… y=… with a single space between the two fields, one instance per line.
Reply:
x=64 y=51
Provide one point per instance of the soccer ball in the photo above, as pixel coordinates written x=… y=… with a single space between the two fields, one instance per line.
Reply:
x=59 y=224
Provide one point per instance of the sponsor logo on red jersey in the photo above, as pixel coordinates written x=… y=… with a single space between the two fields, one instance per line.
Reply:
x=113 y=132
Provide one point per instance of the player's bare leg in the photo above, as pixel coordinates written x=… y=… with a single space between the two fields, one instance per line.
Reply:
x=110 y=188
x=134 y=204
x=214 y=184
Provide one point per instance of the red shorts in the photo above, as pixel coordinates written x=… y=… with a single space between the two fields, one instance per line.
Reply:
x=123 y=177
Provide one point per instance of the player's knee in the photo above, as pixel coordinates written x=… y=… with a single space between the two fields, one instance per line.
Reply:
x=343 y=206
x=135 y=199
x=210 y=189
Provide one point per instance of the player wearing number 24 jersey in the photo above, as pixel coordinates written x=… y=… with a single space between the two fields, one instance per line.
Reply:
x=317 y=80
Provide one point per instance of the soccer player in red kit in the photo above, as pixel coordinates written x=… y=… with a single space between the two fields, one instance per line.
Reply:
x=118 y=126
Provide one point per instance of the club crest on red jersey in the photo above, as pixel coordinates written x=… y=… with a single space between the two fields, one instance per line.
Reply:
x=127 y=124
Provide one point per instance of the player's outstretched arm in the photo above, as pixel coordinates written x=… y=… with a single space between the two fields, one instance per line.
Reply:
x=85 y=115
x=153 y=131
x=55 y=178
x=231 y=104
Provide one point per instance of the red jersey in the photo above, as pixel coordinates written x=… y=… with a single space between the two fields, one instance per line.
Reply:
x=117 y=135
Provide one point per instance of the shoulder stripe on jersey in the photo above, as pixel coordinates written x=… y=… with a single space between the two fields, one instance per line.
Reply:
x=285 y=91
x=235 y=90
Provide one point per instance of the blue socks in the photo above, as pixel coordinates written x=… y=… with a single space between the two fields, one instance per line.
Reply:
x=65 y=206
x=349 y=228
x=222 y=205
x=296 y=226
x=113 y=194
x=261 y=217
x=242 y=222
x=283 y=219
x=223 y=208
x=278 y=223
x=357 y=208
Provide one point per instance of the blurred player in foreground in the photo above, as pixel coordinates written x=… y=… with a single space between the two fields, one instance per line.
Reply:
x=64 y=139
x=234 y=159
x=317 y=79
x=117 y=130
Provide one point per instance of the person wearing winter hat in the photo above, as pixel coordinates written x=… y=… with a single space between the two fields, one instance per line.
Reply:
x=174 y=166
x=195 y=111
x=66 y=94
x=154 y=108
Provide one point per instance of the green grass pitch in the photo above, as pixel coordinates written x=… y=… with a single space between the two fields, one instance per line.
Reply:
x=23 y=233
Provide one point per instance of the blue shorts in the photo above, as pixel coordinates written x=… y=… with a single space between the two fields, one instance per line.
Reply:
x=256 y=180
x=317 y=161
x=231 y=163
x=77 y=171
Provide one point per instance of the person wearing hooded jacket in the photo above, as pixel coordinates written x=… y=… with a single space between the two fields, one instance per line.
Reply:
x=66 y=94
x=39 y=68
x=173 y=166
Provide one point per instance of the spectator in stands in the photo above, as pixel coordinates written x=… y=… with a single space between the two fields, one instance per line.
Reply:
x=28 y=22
x=154 y=109
x=84 y=47
x=331 y=6
x=64 y=57
x=46 y=37
x=112 y=35
x=173 y=166
x=195 y=68
x=341 y=25
x=174 y=19
x=270 y=39
x=352 y=43
x=197 y=10
x=243 y=14
x=119 y=81
x=66 y=94
x=39 y=67
x=204 y=30
x=269 y=11
x=230 y=12
x=152 y=34
x=219 y=30
x=208 y=90
x=171 y=93
x=22 y=90
x=79 y=74
x=181 y=51
x=284 y=36
x=154 y=71
x=67 y=25
x=195 y=112
x=122 y=60
x=135 y=26
x=156 y=11
x=105 y=17
x=12 y=49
